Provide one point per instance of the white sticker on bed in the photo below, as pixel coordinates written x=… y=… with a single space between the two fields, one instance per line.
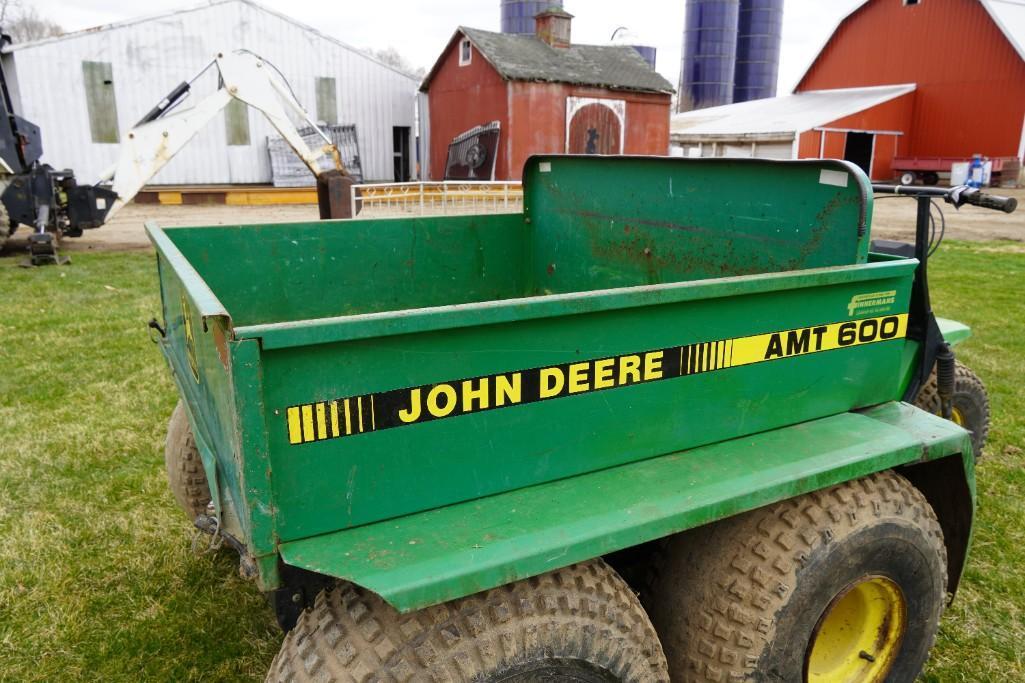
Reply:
x=838 y=178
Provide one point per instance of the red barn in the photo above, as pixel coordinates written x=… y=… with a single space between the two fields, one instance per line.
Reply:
x=543 y=94
x=930 y=81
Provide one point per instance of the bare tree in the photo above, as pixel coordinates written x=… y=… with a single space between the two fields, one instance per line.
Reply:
x=391 y=57
x=25 y=24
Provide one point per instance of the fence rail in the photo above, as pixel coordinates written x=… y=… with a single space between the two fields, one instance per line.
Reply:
x=447 y=198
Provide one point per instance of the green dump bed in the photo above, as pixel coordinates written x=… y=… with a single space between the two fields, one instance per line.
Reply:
x=343 y=374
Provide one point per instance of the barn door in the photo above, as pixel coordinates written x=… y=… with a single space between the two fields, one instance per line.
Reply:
x=858 y=150
x=594 y=126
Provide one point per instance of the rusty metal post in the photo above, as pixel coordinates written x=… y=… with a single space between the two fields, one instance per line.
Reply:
x=334 y=195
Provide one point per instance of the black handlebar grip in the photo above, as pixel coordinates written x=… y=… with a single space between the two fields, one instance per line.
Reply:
x=992 y=201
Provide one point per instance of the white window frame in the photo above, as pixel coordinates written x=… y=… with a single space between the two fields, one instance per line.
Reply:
x=897 y=135
x=467 y=46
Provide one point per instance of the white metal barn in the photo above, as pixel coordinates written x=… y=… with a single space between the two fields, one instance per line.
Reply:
x=85 y=89
x=771 y=128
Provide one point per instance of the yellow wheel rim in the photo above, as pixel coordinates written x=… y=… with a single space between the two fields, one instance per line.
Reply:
x=957 y=417
x=858 y=637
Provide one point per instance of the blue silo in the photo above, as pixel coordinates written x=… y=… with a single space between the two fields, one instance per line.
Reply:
x=518 y=15
x=648 y=52
x=759 y=31
x=624 y=36
x=709 y=53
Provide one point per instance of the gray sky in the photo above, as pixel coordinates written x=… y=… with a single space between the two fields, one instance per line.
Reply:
x=419 y=30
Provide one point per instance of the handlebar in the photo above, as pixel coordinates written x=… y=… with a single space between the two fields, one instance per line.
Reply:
x=958 y=196
x=989 y=201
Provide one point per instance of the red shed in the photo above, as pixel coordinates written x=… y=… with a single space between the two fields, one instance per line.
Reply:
x=543 y=94
x=958 y=64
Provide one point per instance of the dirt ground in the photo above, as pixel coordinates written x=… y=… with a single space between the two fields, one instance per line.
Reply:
x=126 y=232
x=894 y=219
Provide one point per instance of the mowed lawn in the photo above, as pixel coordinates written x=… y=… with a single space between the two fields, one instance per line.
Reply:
x=98 y=580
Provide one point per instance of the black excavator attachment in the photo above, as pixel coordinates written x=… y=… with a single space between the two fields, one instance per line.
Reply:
x=38 y=195
x=54 y=205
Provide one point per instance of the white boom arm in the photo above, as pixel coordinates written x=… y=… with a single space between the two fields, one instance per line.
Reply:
x=149 y=146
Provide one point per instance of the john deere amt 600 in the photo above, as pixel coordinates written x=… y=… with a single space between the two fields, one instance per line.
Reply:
x=458 y=448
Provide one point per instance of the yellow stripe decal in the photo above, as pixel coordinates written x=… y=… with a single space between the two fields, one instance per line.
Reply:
x=308 y=433
x=412 y=405
x=295 y=430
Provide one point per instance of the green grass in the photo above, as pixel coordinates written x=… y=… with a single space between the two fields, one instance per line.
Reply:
x=97 y=578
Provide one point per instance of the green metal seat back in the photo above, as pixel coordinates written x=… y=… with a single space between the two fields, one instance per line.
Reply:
x=603 y=222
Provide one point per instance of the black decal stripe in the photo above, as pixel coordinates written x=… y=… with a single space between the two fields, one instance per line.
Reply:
x=671 y=362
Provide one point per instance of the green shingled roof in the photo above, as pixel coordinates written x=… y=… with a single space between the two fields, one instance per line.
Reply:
x=526 y=58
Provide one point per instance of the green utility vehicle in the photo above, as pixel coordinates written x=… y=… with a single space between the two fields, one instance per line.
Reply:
x=659 y=425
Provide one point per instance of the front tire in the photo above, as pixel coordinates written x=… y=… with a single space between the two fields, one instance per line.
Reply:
x=581 y=623
x=846 y=584
x=185 y=473
x=970 y=404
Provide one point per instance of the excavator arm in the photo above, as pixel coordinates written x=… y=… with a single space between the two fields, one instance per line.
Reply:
x=162 y=133
x=54 y=203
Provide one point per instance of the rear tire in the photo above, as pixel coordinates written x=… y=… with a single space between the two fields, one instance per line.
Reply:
x=907 y=178
x=970 y=403
x=930 y=178
x=185 y=473
x=748 y=598
x=581 y=623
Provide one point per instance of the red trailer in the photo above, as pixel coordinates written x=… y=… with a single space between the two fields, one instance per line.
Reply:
x=928 y=169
